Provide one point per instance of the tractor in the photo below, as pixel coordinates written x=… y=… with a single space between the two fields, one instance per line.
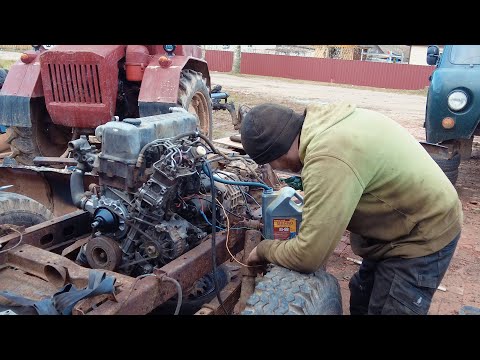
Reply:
x=54 y=96
x=146 y=233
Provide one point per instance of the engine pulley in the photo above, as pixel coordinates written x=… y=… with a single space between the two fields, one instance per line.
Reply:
x=103 y=253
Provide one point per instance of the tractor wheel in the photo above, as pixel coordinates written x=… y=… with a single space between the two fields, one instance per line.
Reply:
x=286 y=292
x=44 y=138
x=19 y=210
x=193 y=95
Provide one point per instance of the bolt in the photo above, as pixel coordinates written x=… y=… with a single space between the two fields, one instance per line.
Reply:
x=151 y=250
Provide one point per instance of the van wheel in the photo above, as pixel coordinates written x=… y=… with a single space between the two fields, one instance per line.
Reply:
x=286 y=292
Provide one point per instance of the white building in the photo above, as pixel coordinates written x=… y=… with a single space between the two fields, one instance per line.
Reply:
x=418 y=54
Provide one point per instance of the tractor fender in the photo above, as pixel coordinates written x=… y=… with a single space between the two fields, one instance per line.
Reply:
x=23 y=84
x=49 y=186
x=159 y=89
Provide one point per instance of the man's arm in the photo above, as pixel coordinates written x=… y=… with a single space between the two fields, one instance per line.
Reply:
x=332 y=191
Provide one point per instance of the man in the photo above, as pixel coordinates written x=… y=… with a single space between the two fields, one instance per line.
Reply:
x=363 y=172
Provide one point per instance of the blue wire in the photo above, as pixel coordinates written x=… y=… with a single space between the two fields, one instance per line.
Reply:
x=250 y=196
x=241 y=183
x=208 y=222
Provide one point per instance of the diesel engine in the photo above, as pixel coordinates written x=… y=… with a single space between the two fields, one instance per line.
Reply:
x=153 y=201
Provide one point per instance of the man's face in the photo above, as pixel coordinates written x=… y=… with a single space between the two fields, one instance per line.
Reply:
x=287 y=163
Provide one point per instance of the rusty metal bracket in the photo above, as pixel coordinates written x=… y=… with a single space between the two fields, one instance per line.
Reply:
x=148 y=293
x=133 y=296
x=252 y=239
x=435 y=149
x=43 y=160
x=50 y=232
x=229 y=294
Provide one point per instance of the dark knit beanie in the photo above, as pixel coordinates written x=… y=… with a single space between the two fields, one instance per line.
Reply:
x=268 y=131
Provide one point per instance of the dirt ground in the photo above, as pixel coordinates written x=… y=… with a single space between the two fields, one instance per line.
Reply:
x=408 y=109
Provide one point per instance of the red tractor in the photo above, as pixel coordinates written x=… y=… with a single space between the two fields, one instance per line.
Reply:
x=51 y=97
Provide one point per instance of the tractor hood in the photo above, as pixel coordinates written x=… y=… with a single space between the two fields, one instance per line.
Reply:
x=80 y=83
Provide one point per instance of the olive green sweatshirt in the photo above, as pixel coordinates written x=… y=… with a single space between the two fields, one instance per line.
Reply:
x=365 y=173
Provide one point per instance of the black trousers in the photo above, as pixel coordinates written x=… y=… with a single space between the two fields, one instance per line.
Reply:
x=398 y=286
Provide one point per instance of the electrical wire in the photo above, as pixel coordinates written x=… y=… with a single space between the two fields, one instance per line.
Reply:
x=19 y=241
x=206 y=167
x=231 y=228
x=213 y=191
x=228 y=236
x=244 y=160
x=251 y=197
x=179 y=292
x=249 y=211
x=230 y=212
x=208 y=222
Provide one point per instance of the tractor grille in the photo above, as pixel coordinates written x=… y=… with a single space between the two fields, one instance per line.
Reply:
x=75 y=83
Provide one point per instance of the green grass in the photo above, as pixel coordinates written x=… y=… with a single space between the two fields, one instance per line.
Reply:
x=6 y=64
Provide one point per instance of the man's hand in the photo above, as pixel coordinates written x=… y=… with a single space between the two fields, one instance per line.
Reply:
x=254 y=259
x=258 y=264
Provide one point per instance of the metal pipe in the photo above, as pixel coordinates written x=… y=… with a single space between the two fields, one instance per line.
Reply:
x=77 y=190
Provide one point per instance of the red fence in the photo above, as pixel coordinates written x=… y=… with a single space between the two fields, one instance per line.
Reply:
x=353 y=72
x=219 y=60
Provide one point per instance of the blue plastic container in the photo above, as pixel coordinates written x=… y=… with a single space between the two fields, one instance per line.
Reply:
x=281 y=215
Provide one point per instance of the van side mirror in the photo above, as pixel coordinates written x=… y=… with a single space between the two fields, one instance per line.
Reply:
x=432 y=55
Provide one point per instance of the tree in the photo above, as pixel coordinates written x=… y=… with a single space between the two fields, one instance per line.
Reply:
x=237 y=58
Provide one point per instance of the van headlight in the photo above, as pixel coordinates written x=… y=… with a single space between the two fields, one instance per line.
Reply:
x=457 y=100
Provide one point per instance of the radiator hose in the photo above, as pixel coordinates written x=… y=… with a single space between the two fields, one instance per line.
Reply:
x=77 y=189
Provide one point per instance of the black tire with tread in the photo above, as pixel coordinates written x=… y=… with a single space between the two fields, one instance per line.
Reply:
x=285 y=292
x=452 y=176
x=22 y=145
x=24 y=142
x=16 y=209
x=449 y=166
x=192 y=83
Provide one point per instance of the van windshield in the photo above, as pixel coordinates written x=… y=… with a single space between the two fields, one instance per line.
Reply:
x=465 y=54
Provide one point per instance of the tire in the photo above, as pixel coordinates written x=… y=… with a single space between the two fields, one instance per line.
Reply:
x=194 y=96
x=286 y=292
x=19 y=210
x=44 y=139
x=452 y=176
x=449 y=166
